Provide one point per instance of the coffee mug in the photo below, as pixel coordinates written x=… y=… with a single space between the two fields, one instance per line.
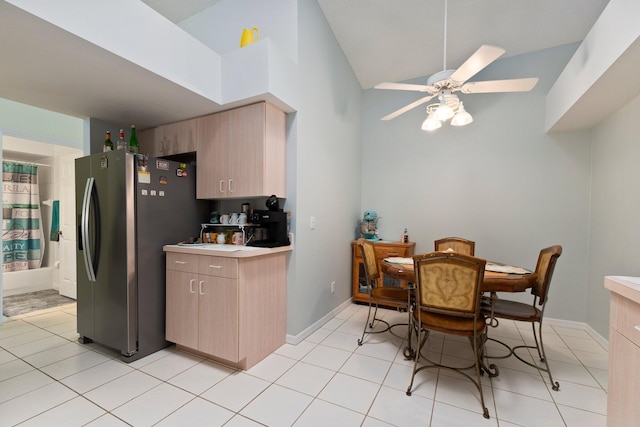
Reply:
x=233 y=219
x=237 y=238
x=242 y=218
x=221 y=239
x=224 y=219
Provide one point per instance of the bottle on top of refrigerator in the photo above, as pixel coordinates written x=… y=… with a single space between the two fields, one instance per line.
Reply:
x=108 y=145
x=134 y=147
x=121 y=144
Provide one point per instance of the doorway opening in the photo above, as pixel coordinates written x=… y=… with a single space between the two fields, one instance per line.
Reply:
x=56 y=186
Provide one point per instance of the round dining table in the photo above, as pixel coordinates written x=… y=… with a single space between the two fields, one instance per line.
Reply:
x=494 y=281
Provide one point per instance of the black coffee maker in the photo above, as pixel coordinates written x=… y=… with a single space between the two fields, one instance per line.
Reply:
x=272 y=226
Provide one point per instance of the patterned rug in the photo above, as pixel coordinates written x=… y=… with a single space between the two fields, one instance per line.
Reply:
x=33 y=301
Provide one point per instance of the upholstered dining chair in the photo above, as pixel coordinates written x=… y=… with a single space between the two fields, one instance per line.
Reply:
x=378 y=293
x=498 y=308
x=455 y=244
x=447 y=300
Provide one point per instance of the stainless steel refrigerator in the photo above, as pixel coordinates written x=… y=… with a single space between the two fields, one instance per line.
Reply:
x=127 y=208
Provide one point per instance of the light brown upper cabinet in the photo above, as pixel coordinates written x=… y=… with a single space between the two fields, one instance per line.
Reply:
x=168 y=140
x=241 y=153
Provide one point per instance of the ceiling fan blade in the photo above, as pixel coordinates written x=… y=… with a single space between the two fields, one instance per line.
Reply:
x=513 y=85
x=408 y=107
x=404 y=86
x=482 y=57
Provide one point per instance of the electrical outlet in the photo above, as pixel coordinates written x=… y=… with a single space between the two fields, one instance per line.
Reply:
x=312 y=222
x=333 y=287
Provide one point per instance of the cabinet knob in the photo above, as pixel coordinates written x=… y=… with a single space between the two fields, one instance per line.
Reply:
x=637 y=328
x=191 y=282
x=200 y=291
x=215 y=266
x=180 y=262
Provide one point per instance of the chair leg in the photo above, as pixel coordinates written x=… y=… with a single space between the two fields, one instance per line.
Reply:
x=543 y=357
x=371 y=321
x=539 y=346
x=367 y=323
x=408 y=352
x=478 y=351
x=421 y=336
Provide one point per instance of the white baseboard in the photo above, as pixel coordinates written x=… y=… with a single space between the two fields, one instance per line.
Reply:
x=579 y=325
x=295 y=339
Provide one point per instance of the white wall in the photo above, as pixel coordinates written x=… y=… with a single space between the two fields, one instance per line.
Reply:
x=500 y=181
x=615 y=208
x=25 y=121
x=220 y=26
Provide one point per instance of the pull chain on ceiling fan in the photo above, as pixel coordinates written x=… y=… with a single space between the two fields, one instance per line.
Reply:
x=443 y=84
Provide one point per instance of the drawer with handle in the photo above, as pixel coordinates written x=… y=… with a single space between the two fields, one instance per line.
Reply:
x=218 y=266
x=182 y=262
x=625 y=317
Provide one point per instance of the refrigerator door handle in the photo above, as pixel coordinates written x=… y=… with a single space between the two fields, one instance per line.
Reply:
x=84 y=229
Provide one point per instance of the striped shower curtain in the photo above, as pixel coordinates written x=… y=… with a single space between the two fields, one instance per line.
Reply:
x=22 y=239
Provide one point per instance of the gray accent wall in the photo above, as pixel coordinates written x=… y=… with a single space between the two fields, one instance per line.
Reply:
x=500 y=181
x=327 y=162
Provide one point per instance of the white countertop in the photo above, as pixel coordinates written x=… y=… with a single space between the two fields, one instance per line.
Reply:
x=627 y=286
x=229 y=251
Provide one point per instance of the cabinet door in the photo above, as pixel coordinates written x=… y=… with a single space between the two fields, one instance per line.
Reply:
x=218 y=317
x=149 y=142
x=624 y=366
x=246 y=151
x=212 y=140
x=179 y=138
x=182 y=308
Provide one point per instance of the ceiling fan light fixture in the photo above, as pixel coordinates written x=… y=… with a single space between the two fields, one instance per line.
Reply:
x=443 y=112
x=431 y=123
x=462 y=117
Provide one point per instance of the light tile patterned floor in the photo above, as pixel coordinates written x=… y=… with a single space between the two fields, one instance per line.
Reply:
x=47 y=378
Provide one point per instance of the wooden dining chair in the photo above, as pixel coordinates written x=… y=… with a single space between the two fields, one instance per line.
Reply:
x=447 y=300
x=455 y=244
x=498 y=308
x=378 y=293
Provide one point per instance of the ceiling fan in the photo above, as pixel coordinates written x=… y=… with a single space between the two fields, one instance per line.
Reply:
x=444 y=84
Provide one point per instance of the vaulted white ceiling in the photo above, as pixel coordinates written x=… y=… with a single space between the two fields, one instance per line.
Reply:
x=396 y=40
x=384 y=40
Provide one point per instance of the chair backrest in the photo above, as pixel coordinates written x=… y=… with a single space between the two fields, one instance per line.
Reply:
x=546 y=264
x=368 y=251
x=449 y=283
x=455 y=244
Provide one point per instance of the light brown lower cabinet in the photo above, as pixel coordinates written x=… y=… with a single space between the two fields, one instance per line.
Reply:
x=229 y=309
x=624 y=352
